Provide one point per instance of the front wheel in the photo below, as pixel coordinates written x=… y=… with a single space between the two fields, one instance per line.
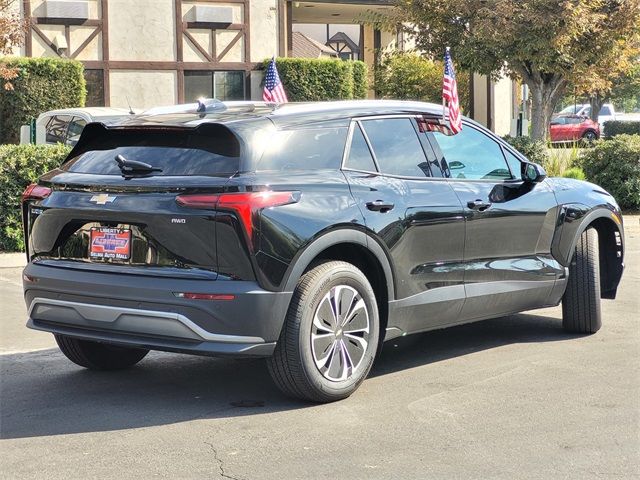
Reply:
x=99 y=356
x=330 y=335
x=581 y=302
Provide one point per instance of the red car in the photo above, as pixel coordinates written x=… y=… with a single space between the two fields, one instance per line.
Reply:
x=572 y=128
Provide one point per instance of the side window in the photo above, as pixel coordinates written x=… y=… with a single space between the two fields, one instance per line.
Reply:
x=56 y=128
x=514 y=164
x=605 y=110
x=75 y=129
x=473 y=155
x=396 y=147
x=305 y=149
x=359 y=154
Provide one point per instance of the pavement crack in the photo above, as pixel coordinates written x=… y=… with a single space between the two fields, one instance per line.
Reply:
x=223 y=474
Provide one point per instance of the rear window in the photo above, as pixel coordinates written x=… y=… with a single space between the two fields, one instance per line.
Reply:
x=209 y=150
x=305 y=149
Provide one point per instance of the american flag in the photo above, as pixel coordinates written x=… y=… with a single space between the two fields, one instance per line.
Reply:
x=450 y=93
x=273 y=90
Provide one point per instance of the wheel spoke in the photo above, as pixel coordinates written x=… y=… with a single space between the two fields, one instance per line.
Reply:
x=358 y=320
x=322 y=343
x=325 y=317
x=354 y=350
x=345 y=298
x=322 y=359
x=336 y=368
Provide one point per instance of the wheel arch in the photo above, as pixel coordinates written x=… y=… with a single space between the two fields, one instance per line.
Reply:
x=610 y=249
x=355 y=247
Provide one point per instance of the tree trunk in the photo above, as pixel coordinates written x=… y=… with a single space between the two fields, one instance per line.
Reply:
x=596 y=102
x=546 y=90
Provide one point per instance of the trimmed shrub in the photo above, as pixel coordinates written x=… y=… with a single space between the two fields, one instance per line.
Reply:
x=408 y=76
x=42 y=84
x=360 y=80
x=317 y=79
x=21 y=165
x=617 y=127
x=534 y=150
x=615 y=166
x=574 y=172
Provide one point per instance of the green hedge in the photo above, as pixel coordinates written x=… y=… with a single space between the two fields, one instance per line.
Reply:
x=310 y=79
x=534 y=150
x=408 y=76
x=21 y=165
x=42 y=84
x=616 y=127
x=615 y=166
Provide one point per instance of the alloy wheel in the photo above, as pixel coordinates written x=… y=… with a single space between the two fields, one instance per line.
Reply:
x=340 y=333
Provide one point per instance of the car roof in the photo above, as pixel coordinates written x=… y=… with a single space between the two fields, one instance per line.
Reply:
x=288 y=114
x=93 y=112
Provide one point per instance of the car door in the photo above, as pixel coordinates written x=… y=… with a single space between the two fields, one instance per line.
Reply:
x=559 y=129
x=414 y=214
x=509 y=224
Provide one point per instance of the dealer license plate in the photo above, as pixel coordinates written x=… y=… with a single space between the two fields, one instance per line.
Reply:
x=110 y=243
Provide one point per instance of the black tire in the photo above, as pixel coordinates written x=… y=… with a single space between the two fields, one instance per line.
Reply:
x=581 y=302
x=589 y=137
x=99 y=356
x=293 y=365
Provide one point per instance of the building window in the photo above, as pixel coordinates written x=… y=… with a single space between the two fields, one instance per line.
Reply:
x=95 y=88
x=208 y=84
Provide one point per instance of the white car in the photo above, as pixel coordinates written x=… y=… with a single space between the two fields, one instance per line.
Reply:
x=66 y=125
x=607 y=112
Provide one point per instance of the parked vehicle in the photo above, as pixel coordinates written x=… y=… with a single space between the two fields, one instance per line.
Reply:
x=306 y=234
x=573 y=128
x=66 y=125
x=607 y=112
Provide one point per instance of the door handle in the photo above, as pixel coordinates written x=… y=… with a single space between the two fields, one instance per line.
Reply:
x=478 y=205
x=380 y=206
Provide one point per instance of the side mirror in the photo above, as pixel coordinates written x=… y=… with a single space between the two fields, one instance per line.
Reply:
x=533 y=173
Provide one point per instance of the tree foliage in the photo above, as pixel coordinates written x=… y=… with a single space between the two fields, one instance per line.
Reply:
x=12 y=29
x=409 y=76
x=545 y=43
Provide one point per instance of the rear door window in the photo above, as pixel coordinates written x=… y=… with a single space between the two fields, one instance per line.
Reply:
x=396 y=147
x=313 y=148
x=360 y=157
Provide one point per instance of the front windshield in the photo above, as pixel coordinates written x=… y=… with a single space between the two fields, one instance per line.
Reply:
x=571 y=109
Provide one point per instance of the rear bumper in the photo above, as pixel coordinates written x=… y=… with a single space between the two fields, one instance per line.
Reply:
x=141 y=311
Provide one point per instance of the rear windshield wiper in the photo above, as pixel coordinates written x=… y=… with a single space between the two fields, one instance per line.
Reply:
x=133 y=167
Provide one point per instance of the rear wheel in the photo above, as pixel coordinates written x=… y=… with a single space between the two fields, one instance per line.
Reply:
x=330 y=335
x=589 y=137
x=99 y=356
x=581 y=302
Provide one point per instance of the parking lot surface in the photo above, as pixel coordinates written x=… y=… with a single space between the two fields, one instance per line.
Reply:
x=512 y=397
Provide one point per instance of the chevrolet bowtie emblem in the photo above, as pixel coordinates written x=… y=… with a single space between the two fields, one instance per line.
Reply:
x=102 y=199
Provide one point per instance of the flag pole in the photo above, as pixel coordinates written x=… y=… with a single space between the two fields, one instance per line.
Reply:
x=444 y=108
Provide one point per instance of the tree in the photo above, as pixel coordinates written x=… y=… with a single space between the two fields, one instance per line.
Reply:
x=544 y=43
x=12 y=29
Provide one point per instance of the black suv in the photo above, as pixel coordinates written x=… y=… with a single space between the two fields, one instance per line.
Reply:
x=307 y=234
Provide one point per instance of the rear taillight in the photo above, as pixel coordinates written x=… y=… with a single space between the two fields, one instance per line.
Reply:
x=35 y=192
x=244 y=204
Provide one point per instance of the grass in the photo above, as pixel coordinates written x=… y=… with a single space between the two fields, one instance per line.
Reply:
x=562 y=159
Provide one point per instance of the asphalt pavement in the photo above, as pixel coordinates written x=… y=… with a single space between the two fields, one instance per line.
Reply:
x=508 y=398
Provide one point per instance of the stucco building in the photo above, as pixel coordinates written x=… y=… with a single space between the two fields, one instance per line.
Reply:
x=146 y=53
